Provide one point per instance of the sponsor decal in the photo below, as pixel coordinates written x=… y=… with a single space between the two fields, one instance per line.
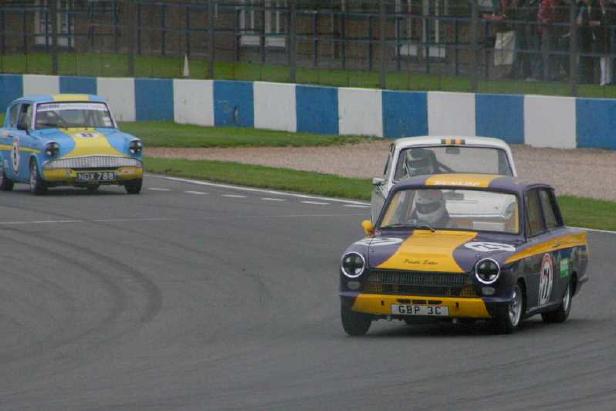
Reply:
x=564 y=268
x=419 y=262
x=486 y=247
x=546 y=278
x=85 y=135
x=15 y=154
x=379 y=241
x=71 y=106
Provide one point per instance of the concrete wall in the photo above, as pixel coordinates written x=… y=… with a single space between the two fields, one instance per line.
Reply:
x=541 y=121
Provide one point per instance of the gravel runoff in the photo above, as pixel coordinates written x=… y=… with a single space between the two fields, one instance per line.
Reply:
x=580 y=172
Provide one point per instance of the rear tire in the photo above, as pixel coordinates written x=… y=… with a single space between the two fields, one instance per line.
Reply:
x=562 y=313
x=134 y=187
x=6 y=184
x=37 y=185
x=354 y=324
x=508 y=318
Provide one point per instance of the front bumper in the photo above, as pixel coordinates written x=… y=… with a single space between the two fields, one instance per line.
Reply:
x=379 y=305
x=68 y=176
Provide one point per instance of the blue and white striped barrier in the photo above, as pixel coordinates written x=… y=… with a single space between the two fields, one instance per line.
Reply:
x=540 y=121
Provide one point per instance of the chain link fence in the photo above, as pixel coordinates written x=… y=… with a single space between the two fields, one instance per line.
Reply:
x=460 y=45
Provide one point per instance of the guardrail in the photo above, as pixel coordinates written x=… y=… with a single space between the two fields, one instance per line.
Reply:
x=540 y=121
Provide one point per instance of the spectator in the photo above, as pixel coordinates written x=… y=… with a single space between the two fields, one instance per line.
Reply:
x=604 y=46
x=547 y=15
x=520 y=14
x=587 y=20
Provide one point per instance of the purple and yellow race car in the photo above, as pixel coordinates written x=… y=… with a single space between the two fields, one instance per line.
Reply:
x=463 y=247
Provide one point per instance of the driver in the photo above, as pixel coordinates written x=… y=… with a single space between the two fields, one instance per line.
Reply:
x=46 y=119
x=430 y=209
x=419 y=162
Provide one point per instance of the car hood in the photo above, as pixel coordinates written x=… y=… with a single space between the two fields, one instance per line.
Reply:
x=76 y=142
x=440 y=251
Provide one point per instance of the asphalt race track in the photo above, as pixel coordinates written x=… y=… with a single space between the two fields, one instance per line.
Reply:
x=192 y=297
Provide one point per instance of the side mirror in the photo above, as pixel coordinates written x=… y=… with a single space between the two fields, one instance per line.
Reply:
x=377 y=181
x=368 y=227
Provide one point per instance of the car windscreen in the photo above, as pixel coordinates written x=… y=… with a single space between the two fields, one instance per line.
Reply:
x=68 y=115
x=453 y=209
x=449 y=159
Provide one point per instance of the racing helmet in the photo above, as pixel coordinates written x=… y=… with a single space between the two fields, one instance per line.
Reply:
x=430 y=206
x=419 y=161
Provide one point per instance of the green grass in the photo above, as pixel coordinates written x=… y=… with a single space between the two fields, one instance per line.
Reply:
x=580 y=212
x=169 y=134
x=116 y=65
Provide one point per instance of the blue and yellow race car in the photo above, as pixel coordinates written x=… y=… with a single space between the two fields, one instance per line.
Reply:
x=463 y=247
x=67 y=140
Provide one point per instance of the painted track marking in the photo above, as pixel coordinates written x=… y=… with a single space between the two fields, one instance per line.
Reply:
x=314 y=202
x=199 y=193
x=272 y=199
x=233 y=196
x=356 y=206
x=158 y=189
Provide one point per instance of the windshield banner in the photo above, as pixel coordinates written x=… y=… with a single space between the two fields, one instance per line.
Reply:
x=71 y=106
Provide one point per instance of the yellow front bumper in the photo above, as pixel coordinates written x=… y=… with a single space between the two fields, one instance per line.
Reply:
x=68 y=175
x=378 y=304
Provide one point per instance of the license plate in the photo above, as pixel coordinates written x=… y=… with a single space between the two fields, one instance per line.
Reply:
x=420 y=309
x=96 y=177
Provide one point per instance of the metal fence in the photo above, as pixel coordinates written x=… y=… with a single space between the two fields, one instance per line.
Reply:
x=432 y=44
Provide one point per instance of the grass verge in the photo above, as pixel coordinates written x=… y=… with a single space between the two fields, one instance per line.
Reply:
x=580 y=212
x=116 y=65
x=170 y=134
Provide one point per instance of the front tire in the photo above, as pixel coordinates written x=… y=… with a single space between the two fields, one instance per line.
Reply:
x=354 y=324
x=134 y=187
x=37 y=185
x=562 y=313
x=6 y=184
x=509 y=317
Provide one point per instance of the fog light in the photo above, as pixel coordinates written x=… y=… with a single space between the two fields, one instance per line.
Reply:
x=488 y=290
x=353 y=285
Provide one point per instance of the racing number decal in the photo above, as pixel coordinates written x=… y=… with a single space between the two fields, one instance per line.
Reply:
x=546 y=278
x=15 y=154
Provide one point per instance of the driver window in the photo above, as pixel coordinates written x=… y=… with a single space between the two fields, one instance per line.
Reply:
x=25 y=116
x=534 y=218
x=13 y=115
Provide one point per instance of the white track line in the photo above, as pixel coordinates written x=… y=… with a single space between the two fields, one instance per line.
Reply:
x=233 y=196
x=104 y=220
x=356 y=206
x=158 y=189
x=314 y=202
x=199 y=193
x=272 y=199
x=258 y=190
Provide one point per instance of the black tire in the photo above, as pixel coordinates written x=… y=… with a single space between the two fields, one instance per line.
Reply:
x=354 y=324
x=37 y=185
x=561 y=314
x=507 y=318
x=134 y=187
x=6 y=184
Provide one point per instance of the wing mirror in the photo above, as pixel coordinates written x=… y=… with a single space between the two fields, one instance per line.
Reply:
x=377 y=181
x=368 y=227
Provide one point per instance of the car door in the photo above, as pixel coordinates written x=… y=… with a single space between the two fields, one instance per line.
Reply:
x=561 y=255
x=21 y=143
x=380 y=188
x=539 y=266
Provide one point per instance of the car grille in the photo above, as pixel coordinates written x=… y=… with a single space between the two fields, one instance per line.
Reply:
x=91 y=162
x=418 y=283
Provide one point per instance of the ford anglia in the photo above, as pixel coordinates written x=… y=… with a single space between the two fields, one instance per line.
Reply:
x=67 y=139
x=464 y=247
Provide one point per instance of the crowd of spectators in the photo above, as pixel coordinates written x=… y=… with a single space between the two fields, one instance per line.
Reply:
x=542 y=33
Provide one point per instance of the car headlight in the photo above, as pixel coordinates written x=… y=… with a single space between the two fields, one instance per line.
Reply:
x=52 y=148
x=487 y=271
x=353 y=265
x=135 y=147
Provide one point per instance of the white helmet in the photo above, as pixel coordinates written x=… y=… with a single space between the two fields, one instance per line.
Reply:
x=429 y=206
x=419 y=161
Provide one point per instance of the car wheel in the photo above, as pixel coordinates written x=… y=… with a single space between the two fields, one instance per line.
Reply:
x=354 y=324
x=6 y=184
x=134 y=187
x=37 y=185
x=509 y=317
x=562 y=313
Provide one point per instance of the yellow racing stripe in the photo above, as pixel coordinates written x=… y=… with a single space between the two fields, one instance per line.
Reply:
x=89 y=142
x=429 y=251
x=464 y=180
x=554 y=244
x=71 y=97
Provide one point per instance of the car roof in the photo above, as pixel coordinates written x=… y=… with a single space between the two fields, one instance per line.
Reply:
x=450 y=140
x=55 y=98
x=489 y=182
